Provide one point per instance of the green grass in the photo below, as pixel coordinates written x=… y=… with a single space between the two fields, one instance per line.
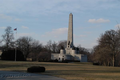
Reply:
x=69 y=71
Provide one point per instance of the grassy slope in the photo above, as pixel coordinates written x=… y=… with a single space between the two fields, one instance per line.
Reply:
x=69 y=71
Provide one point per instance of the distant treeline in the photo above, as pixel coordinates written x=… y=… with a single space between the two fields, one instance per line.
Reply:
x=32 y=48
x=107 y=52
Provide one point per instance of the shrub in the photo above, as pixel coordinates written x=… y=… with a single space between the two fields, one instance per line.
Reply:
x=10 y=55
x=96 y=63
x=36 y=69
x=53 y=60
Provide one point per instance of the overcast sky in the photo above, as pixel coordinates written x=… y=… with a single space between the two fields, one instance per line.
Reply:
x=46 y=20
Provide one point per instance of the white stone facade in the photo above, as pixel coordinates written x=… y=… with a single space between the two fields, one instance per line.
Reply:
x=69 y=57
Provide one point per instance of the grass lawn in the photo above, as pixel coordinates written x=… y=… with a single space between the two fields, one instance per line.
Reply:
x=69 y=71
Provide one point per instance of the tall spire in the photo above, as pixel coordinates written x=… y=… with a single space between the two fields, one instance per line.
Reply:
x=70 y=32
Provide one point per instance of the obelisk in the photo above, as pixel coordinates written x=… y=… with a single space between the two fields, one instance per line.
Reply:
x=70 y=32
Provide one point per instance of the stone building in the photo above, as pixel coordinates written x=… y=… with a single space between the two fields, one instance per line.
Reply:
x=69 y=53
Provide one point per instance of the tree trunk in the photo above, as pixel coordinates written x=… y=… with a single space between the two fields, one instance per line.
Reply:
x=113 y=60
x=108 y=63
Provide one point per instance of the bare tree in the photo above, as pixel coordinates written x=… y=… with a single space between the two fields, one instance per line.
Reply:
x=35 y=49
x=102 y=55
x=61 y=44
x=24 y=44
x=49 y=45
x=44 y=56
x=108 y=47
x=54 y=47
x=36 y=46
x=82 y=50
x=8 y=37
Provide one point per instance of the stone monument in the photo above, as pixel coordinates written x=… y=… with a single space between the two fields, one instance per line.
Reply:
x=69 y=49
x=70 y=32
x=70 y=53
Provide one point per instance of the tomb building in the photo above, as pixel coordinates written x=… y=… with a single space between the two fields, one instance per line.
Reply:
x=70 y=53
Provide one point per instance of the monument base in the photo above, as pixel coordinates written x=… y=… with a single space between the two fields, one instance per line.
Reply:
x=68 y=55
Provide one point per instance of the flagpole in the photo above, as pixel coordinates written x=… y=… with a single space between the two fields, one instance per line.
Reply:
x=15 y=44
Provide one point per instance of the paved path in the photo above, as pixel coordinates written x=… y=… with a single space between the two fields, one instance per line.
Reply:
x=8 y=75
